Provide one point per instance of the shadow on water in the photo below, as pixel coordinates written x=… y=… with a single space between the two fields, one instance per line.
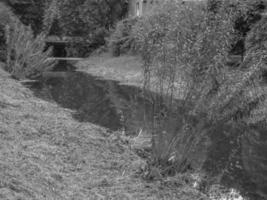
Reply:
x=102 y=102
x=115 y=106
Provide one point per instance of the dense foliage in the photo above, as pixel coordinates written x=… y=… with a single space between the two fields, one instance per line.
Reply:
x=91 y=20
x=26 y=55
x=2 y=43
x=30 y=12
x=246 y=14
x=84 y=16
x=185 y=49
x=122 y=38
x=5 y=14
x=88 y=19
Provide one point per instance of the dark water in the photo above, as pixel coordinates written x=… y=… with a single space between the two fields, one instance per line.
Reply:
x=102 y=102
x=115 y=106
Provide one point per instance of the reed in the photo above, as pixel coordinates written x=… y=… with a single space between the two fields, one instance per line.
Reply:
x=27 y=56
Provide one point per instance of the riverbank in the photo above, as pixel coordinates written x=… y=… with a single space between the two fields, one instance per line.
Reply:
x=127 y=69
x=244 y=171
x=46 y=154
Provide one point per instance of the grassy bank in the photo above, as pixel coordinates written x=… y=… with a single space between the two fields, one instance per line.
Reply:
x=45 y=154
x=126 y=69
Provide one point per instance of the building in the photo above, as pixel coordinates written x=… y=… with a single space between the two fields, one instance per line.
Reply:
x=141 y=7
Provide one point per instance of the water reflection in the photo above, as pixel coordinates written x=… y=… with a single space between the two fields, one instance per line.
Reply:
x=115 y=106
x=105 y=103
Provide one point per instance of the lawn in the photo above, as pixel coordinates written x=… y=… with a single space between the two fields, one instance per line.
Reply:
x=126 y=69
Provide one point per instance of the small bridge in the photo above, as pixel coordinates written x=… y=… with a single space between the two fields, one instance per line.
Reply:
x=59 y=45
x=65 y=58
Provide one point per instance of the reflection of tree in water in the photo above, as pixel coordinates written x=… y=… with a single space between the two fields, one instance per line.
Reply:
x=98 y=101
x=115 y=106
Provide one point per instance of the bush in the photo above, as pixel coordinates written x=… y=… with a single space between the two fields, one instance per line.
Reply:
x=121 y=40
x=78 y=50
x=5 y=14
x=257 y=37
x=29 y=12
x=247 y=13
x=2 y=44
x=184 y=50
x=26 y=57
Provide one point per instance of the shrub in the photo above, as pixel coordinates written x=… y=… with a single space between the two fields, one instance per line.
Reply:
x=50 y=18
x=78 y=50
x=184 y=50
x=257 y=42
x=29 y=12
x=122 y=40
x=247 y=13
x=26 y=57
x=2 y=44
x=5 y=14
x=88 y=45
x=257 y=37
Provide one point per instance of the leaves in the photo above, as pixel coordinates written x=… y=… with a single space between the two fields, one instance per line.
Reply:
x=185 y=49
x=26 y=57
x=85 y=16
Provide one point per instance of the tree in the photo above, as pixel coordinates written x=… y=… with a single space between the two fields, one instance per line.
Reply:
x=247 y=13
x=79 y=17
x=2 y=43
x=30 y=12
x=92 y=20
x=105 y=13
x=5 y=14
x=89 y=19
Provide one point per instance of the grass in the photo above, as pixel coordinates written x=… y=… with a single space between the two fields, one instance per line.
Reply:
x=46 y=154
x=126 y=69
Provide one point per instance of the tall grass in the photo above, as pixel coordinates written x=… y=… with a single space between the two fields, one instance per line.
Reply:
x=5 y=14
x=121 y=41
x=2 y=43
x=185 y=51
x=26 y=54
